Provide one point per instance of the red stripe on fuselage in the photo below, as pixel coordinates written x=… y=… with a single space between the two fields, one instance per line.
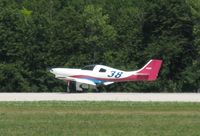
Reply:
x=130 y=78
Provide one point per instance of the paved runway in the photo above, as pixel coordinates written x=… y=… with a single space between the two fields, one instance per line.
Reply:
x=138 y=97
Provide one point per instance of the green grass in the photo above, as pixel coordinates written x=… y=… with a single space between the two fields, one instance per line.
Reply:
x=99 y=119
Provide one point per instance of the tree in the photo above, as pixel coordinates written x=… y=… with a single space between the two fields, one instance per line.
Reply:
x=98 y=33
x=193 y=78
x=12 y=79
x=124 y=34
x=168 y=35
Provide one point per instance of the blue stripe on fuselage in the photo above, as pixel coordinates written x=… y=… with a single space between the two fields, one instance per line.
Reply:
x=96 y=81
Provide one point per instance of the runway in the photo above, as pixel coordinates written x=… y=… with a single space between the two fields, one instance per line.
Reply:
x=135 y=97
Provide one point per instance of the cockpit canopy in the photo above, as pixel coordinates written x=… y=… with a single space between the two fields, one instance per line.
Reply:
x=98 y=68
x=89 y=67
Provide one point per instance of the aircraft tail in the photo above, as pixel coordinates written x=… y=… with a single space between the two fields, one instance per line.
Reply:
x=151 y=69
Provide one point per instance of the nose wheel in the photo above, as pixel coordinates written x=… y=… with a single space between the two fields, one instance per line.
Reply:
x=71 y=86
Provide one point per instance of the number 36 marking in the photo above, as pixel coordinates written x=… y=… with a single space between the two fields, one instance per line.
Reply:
x=115 y=74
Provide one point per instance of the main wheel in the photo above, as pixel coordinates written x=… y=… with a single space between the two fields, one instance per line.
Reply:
x=71 y=86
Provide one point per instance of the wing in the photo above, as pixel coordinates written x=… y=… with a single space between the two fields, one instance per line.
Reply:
x=108 y=83
x=84 y=81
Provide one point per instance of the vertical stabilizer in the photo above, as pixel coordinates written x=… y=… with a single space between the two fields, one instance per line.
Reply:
x=151 y=69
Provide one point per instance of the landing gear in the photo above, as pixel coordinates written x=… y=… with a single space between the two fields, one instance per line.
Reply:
x=71 y=86
x=99 y=88
x=83 y=87
x=74 y=87
x=68 y=84
x=87 y=88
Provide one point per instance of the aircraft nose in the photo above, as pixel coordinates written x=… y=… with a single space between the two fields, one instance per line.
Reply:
x=50 y=70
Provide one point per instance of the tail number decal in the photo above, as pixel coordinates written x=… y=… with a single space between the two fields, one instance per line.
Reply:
x=115 y=74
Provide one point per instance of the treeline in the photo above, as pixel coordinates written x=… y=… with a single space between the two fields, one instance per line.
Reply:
x=125 y=34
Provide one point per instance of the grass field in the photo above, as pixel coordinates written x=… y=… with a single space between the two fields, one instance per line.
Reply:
x=99 y=119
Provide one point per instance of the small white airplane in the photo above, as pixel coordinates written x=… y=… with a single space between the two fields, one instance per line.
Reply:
x=104 y=75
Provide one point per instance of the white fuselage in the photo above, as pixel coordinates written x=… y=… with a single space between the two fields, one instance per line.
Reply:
x=100 y=74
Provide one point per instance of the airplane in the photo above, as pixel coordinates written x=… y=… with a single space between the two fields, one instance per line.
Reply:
x=96 y=75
